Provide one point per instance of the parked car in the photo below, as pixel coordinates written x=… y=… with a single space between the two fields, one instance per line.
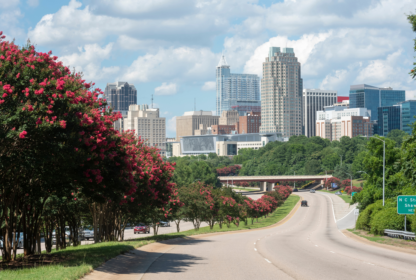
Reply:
x=338 y=193
x=312 y=191
x=1 y=242
x=54 y=237
x=88 y=234
x=304 y=203
x=141 y=228
x=164 y=224
x=19 y=243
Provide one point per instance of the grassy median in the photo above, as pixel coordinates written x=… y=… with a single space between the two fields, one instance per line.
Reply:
x=75 y=262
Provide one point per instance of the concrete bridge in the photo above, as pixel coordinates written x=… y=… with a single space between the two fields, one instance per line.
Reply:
x=267 y=183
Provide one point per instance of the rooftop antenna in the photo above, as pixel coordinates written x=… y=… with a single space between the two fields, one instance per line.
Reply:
x=152 y=100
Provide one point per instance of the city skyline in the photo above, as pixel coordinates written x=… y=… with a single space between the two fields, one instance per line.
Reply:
x=176 y=62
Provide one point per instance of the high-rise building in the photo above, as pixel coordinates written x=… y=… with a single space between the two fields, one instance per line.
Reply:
x=281 y=93
x=228 y=118
x=388 y=119
x=147 y=124
x=336 y=121
x=315 y=100
x=120 y=95
x=370 y=97
x=240 y=92
x=187 y=124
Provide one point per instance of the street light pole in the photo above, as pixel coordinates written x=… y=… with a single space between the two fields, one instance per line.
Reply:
x=384 y=162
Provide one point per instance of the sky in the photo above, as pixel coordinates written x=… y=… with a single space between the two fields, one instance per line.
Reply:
x=170 y=48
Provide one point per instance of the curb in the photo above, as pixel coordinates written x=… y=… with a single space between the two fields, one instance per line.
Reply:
x=375 y=244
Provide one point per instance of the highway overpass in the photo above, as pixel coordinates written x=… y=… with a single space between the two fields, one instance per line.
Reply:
x=268 y=182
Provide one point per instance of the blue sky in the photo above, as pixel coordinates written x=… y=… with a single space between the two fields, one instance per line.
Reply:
x=170 y=48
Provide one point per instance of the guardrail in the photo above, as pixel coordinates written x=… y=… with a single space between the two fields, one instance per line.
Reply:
x=400 y=234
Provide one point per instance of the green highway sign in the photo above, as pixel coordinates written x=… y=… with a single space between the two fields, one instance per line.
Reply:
x=352 y=194
x=406 y=204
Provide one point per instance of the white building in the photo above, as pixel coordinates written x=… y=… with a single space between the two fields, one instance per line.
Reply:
x=315 y=100
x=147 y=124
x=223 y=144
x=338 y=121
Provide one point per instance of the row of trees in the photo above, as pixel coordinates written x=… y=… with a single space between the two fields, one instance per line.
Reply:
x=61 y=161
x=203 y=203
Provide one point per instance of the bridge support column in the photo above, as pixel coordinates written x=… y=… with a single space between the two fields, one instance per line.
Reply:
x=263 y=186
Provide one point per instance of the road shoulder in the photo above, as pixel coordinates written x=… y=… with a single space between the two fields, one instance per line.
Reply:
x=358 y=238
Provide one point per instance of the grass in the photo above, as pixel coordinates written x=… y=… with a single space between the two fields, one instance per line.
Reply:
x=409 y=244
x=78 y=261
x=357 y=182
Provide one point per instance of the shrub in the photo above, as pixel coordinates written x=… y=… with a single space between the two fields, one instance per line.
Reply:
x=364 y=219
x=354 y=189
x=387 y=218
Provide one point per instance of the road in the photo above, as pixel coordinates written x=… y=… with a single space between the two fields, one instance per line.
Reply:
x=308 y=246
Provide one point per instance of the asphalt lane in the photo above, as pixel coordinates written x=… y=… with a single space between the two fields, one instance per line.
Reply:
x=308 y=246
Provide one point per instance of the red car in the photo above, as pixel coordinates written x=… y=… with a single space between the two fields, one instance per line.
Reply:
x=141 y=228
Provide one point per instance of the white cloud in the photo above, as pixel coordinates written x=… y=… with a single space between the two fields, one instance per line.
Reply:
x=10 y=16
x=303 y=47
x=33 y=3
x=179 y=64
x=166 y=89
x=209 y=86
x=88 y=60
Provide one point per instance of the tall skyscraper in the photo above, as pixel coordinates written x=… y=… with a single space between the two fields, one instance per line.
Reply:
x=281 y=93
x=315 y=100
x=120 y=95
x=407 y=115
x=240 y=92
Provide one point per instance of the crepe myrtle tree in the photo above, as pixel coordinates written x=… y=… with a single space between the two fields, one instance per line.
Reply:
x=56 y=136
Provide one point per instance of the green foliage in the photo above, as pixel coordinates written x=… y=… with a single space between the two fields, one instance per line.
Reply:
x=301 y=155
x=387 y=218
x=342 y=171
x=412 y=19
x=397 y=136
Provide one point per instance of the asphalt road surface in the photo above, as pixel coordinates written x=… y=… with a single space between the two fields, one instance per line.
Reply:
x=308 y=246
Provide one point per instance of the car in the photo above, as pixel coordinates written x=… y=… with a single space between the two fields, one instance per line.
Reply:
x=295 y=190
x=164 y=224
x=19 y=243
x=88 y=234
x=304 y=203
x=141 y=228
x=338 y=193
x=312 y=191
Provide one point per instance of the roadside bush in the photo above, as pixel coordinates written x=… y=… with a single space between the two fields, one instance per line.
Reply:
x=364 y=219
x=354 y=189
x=387 y=218
x=412 y=219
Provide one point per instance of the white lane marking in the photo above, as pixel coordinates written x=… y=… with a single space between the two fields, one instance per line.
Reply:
x=254 y=243
x=332 y=204
x=370 y=263
x=332 y=252
x=268 y=261
x=347 y=214
x=316 y=245
x=255 y=249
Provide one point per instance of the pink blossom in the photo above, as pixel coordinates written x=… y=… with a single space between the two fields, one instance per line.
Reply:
x=18 y=75
x=22 y=134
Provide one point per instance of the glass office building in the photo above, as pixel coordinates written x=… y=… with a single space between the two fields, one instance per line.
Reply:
x=370 y=97
x=407 y=115
x=239 y=92
x=388 y=119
